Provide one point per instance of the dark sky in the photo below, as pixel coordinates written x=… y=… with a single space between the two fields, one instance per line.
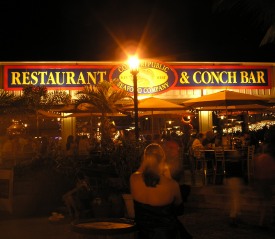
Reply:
x=169 y=30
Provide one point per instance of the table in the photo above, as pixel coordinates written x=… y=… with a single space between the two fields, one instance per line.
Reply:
x=234 y=161
x=103 y=228
x=229 y=154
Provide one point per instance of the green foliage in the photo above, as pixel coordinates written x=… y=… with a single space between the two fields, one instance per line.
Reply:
x=38 y=97
x=6 y=100
x=103 y=98
x=255 y=14
x=32 y=99
x=33 y=96
x=57 y=98
x=126 y=159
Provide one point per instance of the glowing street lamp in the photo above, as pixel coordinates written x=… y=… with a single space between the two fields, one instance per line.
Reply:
x=134 y=65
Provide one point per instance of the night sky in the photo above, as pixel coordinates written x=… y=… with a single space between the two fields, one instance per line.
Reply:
x=86 y=30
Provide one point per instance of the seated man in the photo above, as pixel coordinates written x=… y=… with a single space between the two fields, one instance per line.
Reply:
x=79 y=198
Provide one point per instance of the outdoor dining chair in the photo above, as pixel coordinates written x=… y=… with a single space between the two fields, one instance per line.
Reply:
x=219 y=164
x=250 y=163
x=204 y=166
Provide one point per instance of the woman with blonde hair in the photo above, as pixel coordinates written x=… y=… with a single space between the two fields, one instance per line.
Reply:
x=157 y=198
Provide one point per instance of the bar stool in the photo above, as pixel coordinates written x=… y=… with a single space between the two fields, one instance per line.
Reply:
x=198 y=164
x=250 y=163
x=204 y=166
x=219 y=164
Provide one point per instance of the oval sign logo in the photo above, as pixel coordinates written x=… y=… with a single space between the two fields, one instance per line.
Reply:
x=154 y=77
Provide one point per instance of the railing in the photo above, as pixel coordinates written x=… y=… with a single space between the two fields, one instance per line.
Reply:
x=236 y=163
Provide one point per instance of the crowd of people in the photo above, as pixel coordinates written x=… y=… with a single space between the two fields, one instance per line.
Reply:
x=52 y=147
x=25 y=149
x=157 y=184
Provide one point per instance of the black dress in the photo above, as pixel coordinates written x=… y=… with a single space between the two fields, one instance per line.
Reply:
x=159 y=222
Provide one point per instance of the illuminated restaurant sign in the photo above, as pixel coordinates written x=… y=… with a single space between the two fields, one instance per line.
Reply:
x=223 y=76
x=54 y=77
x=154 y=76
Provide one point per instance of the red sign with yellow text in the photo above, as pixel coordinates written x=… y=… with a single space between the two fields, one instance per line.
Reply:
x=154 y=77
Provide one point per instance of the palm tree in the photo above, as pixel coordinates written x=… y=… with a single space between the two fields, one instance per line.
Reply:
x=103 y=98
x=6 y=101
x=260 y=13
x=35 y=98
x=57 y=98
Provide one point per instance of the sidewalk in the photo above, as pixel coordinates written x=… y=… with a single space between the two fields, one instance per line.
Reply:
x=201 y=223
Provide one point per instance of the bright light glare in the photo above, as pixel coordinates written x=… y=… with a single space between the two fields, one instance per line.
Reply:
x=133 y=62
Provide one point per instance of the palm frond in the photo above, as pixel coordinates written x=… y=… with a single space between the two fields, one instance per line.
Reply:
x=6 y=98
x=257 y=13
x=104 y=96
x=57 y=98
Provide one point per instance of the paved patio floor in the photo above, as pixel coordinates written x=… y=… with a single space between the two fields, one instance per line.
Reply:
x=201 y=223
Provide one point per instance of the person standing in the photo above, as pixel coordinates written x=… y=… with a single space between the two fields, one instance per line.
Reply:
x=209 y=140
x=78 y=199
x=174 y=164
x=197 y=145
x=84 y=146
x=71 y=147
x=265 y=178
x=234 y=182
x=173 y=159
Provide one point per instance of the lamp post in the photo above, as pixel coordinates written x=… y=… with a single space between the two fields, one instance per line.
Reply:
x=134 y=64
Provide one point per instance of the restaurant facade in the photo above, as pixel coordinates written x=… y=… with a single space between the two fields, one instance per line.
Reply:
x=173 y=81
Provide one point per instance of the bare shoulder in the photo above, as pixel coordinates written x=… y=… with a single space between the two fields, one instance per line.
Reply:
x=136 y=183
x=134 y=176
x=172 y=183
x=175 y=184
x=174 y=190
